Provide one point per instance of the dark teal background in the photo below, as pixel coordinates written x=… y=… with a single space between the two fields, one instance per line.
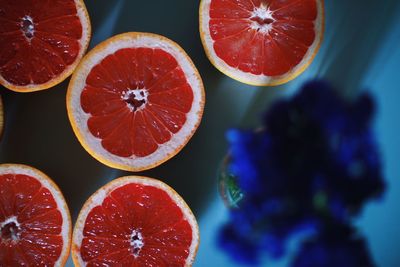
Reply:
x=361 y=51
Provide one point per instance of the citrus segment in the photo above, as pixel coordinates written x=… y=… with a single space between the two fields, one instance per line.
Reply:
x=41 y=42
x=135 y=101
x=35 y=225
x=261 y=42
x=138 y=221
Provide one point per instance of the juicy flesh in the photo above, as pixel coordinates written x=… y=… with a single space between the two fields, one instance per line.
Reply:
x=38 y=41
x=262 y=37
x=137 y=99
x=136 y=225
x=30 y=223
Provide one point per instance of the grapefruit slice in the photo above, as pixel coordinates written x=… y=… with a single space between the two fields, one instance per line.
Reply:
x=135 y=221
x=35 y=225
x=41 y=42
x=261 y=42
x=135 y=100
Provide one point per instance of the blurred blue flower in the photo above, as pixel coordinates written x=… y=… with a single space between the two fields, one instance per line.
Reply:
x=314 y=160
x=336 y=246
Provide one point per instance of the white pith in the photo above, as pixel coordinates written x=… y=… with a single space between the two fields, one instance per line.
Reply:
x=12 y=219
x=262 y=12
x=247 y=77
x=83 y=42
x=15 y=169
x=98 y=197
x=140 y=94
x=136 y=244
x=31 y=28
x=80 y=118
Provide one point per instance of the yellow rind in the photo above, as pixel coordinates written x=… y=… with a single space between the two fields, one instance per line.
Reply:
x=76 y=129
x=80 y=222
x=67 y=72
x=41 y=175
x=273 y=82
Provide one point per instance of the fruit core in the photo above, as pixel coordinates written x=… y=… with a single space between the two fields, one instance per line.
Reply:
x=136 y=242
x=9 y=229
x=27 y=27
x=262 y=19
x=135 y=99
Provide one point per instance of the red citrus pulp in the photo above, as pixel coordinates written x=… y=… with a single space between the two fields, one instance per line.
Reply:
x=261 y=42
x=35 y=226
x=135 y=101
x=135 y=221
x=41 y=42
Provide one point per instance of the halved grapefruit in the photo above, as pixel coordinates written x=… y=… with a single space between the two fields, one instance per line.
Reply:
x=35 y=224
x=261 y=42
x=41 y=42
x=135 y=100
x=135 y=221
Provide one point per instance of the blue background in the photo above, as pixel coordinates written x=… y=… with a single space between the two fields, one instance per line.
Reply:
x=361 y=51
